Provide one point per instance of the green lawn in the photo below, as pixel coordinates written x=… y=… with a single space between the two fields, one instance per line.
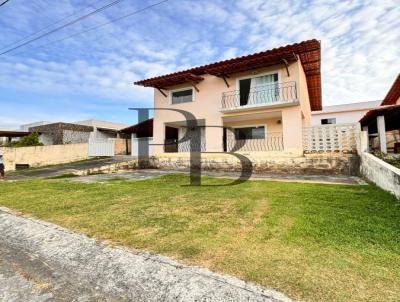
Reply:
x=313 y=242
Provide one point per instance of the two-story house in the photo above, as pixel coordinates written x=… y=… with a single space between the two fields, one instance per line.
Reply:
x=260 y=101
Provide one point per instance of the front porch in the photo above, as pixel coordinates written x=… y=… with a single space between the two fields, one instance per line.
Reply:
x=253 y=132
x=261 y=131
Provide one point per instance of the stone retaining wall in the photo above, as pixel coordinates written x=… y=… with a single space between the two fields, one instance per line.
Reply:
x=326 y=164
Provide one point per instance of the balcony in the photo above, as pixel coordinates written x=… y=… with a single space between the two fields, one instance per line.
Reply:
x=270 y=95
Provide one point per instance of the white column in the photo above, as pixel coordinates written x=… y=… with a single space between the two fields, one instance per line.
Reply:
x=380 y=122
x=134 y=145
x=364 y=142
x=292 y=130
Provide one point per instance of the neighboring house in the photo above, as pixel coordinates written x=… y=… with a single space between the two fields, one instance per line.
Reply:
x=103 y=129
x=62 y=133
x=75 y=133
x=383 y=123
x=26 y=127
x=345 y=113
x=259 y=101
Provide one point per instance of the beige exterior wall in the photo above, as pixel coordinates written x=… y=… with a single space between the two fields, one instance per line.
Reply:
x=207 y=105
x=43 y=155
x=305 y=100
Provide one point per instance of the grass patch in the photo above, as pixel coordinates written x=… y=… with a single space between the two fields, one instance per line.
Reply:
x=62 y=176
x=313 y=242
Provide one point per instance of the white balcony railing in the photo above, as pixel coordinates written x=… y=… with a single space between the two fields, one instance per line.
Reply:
x=263 y=95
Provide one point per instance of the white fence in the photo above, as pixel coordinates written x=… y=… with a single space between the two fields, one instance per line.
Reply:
x=331 y=138
x=101 y=147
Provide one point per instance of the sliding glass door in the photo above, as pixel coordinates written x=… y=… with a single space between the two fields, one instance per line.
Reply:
x=259 y=90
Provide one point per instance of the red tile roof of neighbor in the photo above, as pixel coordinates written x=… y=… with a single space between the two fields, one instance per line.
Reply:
x=309 y=53
x=393 y=94
x=391 y=114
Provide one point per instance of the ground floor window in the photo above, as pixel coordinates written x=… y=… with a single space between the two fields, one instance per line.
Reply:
x=254 y=132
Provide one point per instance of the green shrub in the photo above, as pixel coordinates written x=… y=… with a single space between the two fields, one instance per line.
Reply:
x=26 y=141
x=392 y=159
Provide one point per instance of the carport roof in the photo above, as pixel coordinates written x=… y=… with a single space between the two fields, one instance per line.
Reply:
x=11 y=133
x=143 y=129
x=391 y=114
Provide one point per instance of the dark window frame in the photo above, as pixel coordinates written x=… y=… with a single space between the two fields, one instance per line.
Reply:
x=242 y=133
x=183 y=100
x=328 y=121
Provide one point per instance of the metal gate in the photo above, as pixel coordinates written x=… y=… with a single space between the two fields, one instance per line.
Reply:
x=101 y=147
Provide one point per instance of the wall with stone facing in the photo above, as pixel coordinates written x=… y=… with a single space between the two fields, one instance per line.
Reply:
x=75 y=137
x=63 y=133
x=381 y=173
x=44 y=155
x=326 y=164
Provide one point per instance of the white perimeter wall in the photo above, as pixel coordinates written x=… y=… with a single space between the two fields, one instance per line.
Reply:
x=43 y=155
x=381 y=173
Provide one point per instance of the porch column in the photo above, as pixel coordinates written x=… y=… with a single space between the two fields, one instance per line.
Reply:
x=158 y=133
x=380 y=122
x=214 y=135
x=292 y=130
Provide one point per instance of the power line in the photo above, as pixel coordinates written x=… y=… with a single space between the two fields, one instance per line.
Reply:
x=48 y=26
x=63 y=26
x=4 y=2
x=100 y=25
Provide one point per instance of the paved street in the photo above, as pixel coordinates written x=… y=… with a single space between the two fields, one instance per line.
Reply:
x=40 y=261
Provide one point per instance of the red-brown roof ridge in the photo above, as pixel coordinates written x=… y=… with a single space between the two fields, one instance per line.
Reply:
x=310 y=56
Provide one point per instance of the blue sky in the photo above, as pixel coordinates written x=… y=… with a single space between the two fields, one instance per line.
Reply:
x=91 y=75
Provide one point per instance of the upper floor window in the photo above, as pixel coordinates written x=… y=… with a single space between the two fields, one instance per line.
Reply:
x=182 y=96
x=328 y=121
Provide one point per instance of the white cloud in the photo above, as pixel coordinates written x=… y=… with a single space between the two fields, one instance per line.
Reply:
x=359 y=45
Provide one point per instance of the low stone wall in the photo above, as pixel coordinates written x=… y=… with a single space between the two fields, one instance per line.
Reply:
x=326 y=164
x=43 y=155
x=381 y=173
